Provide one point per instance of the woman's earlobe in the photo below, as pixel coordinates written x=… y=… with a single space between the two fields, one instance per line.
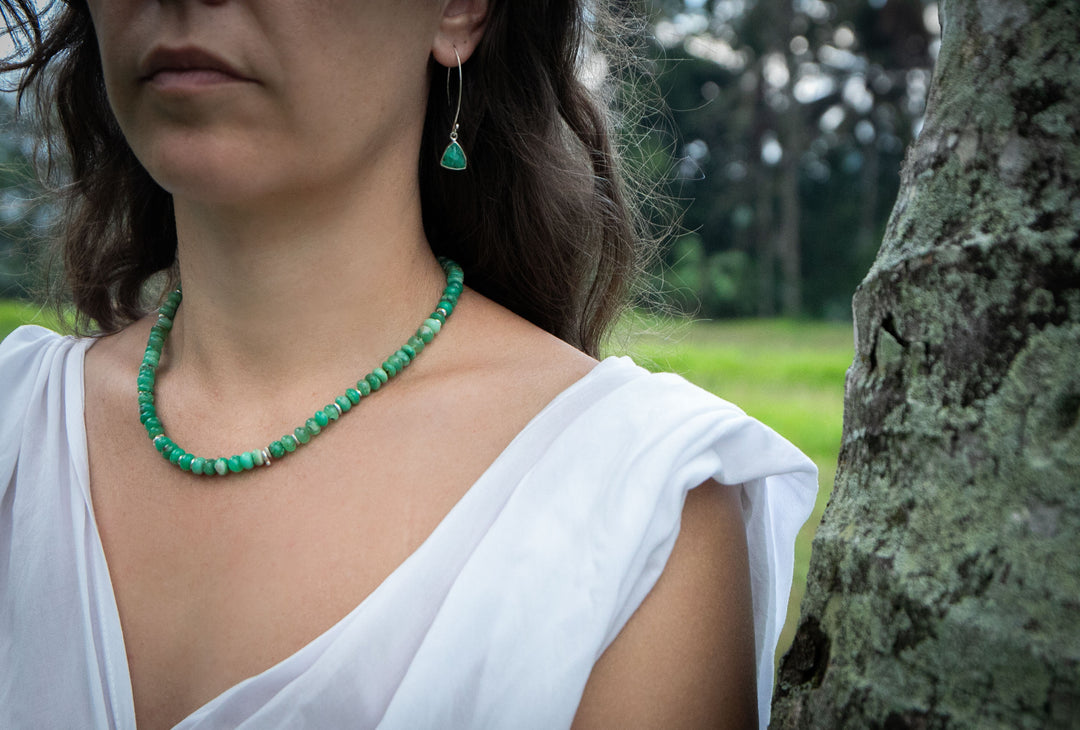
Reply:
x=461 y=28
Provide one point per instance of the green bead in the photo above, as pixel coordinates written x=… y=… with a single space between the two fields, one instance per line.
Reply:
x=312 y=426
x=353 y=395
x=276 y=449
x=234 y=464
x=289 y=442
x=208 y=468
x=380 y=374
x=408 y=350
x=453 y=288
x=364 y=387
x=389 y=369
x=302 y=434
x=447 y=306
x=439 y=316
x=175 y=454
x=433 y=324
x=221 y=465
x=184 y=462
x=425 y=333
x=373 y=381
x=321 y=418
x=246 y=461
x=404 y=357
x=197 y=465
x=164 y=322
x=343 y=403
x=332 y=412
x=417 y=344
x=257 y=457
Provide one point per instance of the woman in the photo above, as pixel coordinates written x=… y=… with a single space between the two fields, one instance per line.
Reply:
x=478 y=545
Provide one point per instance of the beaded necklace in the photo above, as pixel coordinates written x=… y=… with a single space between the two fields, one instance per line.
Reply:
x=225 y=465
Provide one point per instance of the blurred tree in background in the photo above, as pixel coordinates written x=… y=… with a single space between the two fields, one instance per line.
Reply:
x=792 y=117
x=22 y=215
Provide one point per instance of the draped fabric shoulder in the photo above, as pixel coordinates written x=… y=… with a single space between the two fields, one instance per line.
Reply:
x=495 y=621
x=63 y=654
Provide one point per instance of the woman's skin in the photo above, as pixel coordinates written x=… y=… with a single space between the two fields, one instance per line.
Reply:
x=291 y=159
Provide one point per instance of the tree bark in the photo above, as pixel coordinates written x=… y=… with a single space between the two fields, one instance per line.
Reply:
x=944 y=587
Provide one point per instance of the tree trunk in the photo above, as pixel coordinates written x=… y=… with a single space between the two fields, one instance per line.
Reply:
x=788 y=244
x=764 y=220
x=866 y=239
x=944 y=587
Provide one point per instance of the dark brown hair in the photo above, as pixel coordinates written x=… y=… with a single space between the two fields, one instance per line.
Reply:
x=541 y=220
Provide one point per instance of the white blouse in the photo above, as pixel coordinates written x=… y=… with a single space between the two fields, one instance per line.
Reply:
x=494 y=622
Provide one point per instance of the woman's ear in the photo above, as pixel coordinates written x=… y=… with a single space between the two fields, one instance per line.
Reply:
x=461 y=27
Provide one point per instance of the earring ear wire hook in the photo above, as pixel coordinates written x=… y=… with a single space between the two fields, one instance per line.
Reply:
x=461 y=86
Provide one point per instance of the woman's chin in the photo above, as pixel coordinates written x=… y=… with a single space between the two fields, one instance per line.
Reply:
x=212 y=183
x=207 y=170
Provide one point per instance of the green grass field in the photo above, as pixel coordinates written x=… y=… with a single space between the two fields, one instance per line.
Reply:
x=13 y=314
x=789 y=374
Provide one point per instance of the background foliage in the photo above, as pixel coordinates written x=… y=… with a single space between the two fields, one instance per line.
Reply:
x=791 y=118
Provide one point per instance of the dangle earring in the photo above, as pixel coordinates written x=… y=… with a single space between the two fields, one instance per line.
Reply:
x=453 y=157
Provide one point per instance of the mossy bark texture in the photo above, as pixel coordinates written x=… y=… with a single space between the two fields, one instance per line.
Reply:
x=944 y=587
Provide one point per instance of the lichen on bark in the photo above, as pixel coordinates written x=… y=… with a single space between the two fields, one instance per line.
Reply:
x=944 y=584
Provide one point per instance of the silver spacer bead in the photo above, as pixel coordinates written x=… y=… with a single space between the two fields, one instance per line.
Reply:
x=340 y=412
x=443 y=312
x=266 y=456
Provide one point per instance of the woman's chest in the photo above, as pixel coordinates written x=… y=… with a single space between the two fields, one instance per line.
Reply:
x=218 y=579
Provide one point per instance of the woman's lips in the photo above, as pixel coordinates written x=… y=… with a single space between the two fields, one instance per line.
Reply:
x=193 y=77
x=187 y=67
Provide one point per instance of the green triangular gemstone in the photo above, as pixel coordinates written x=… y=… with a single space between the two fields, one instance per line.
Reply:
x=454 y=157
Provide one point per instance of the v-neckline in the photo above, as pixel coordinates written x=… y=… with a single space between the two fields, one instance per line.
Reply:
x=80 y=457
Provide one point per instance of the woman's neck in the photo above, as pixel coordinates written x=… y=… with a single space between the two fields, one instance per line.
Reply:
x=301 y=289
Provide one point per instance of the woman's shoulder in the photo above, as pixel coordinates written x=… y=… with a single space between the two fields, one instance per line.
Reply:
x=26 y=338
x=39 y=371
x=489 y=352
x=526 y=369
x=29 y=357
